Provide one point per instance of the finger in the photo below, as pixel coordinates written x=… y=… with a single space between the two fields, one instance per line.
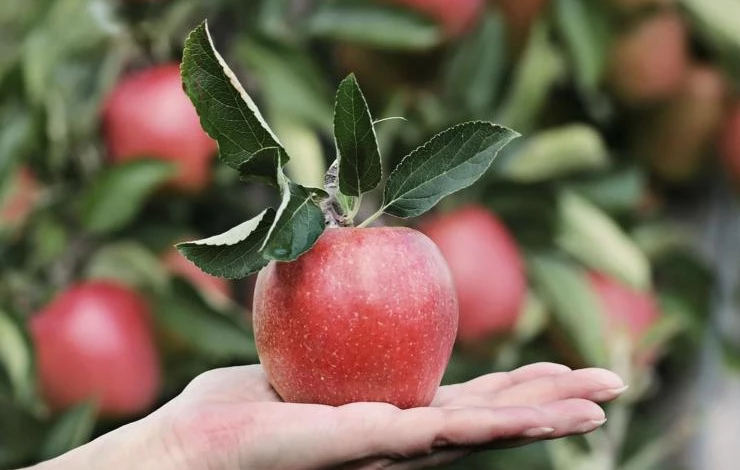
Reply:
x=593 y=384
x=492 y=383
x=436 y=459
x=232 y=385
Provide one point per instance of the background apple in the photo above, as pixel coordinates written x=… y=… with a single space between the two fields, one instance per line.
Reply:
x=520 y=15
x=18 y=202
x=455 y=16
x=149 y=115
x=487 y=269
x=94 y=341
x=648 y=63
x=676 y=137
x=329 y=325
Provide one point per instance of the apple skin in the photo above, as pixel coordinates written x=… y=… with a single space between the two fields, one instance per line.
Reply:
x=676 y=137
x=648 y=64
x=95 y=341
x=149 y=115
x=366 y=315
x=455 y=16
x=729 y=142
x=214 y=288
x=626 y=309
x=489 y=274
x=19 y=202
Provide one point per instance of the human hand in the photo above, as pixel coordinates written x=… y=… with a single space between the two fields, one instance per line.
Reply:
x=231 y=419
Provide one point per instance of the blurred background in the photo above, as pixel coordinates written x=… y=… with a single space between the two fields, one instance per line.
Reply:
x=606 y=236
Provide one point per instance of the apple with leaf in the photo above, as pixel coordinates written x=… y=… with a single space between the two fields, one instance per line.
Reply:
x=343 y=312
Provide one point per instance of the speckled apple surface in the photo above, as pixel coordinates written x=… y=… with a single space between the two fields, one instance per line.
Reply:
x=365 y=315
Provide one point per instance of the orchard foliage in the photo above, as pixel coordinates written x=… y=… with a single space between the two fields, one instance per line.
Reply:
x=128 y=127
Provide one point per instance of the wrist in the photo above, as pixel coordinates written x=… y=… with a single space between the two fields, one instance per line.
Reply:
x=135 y=445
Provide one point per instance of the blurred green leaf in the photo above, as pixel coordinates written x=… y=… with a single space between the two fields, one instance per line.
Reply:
x=450 y=161
x=716 y=23
x=116 y=197
x=17 y=358
x=292 y=85
x=70 y=430
x=306 y=166
x=235 y=253
x=130 y=263
x=533 y=79
x=49 y=238
x=227 y=112
x=16 y=136
x=21 y=436
x=556 y=153
x=373 y=24
x=298 y=222
x=475 y=71
x=621 y=189
x=597 y=241
x=357 y=146
x=584 y=25
x=188 y=317
x=575 y=307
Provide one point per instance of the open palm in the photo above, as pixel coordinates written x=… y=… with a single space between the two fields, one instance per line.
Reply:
x=232 y=419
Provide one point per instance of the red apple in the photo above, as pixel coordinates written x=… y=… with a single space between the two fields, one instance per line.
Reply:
x=149 y=115
x=676 y=137
x=729 y=142
x=455 y=16
x=214 y=288
x=20 y=198
x=487 y=268
x=626 y=309
x=649 y=63
x=95 y=341
x=368 y=314
x=520 y=16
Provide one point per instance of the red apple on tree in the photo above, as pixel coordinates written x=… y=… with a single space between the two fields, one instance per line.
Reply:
x=649 y=62
x=487 y=268
x=19 y=199
x=94 y=341
x=341 y=313
x=729 y=142
x=455 y=16
x=148 y=115
x=627 y=311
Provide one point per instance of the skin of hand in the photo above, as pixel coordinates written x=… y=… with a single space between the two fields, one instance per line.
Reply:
x=231 y=419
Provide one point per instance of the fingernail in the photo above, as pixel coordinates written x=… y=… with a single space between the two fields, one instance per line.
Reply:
x=590 y=425
x=538 y=432
x=609 y=394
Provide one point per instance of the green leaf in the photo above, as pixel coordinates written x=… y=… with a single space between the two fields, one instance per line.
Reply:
x=129 y=262
x=227 y=113
x=17 y=358
x=377 y=25
x=359 y=158
x=72 y=429
x=117 y=196
x=534 y=77
x=298 y=223
x=450 y=161
x=597 y=241
x=21 y=435
x=184 y=314
x=715 y=22
x=574 y=305
x=474 y=74
x=556 y=153
x=585 y=27
x=292 y=85
x=618 y=190
x=235 y=253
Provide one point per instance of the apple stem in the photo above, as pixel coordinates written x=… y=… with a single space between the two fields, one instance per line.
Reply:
x=371 y=219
